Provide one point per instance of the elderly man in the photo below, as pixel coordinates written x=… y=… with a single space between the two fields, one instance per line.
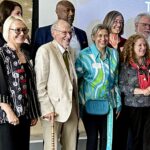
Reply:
x=142 y=24
x=57 y=88
x=65 y=11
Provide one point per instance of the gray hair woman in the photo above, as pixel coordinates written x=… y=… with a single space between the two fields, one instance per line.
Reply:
x=18 y=103
x=95 y=66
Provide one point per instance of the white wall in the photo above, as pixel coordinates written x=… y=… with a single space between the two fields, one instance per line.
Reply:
x=90 y=12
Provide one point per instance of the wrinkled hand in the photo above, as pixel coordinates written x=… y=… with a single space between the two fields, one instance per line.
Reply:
x=50 y=117
x=12 y=118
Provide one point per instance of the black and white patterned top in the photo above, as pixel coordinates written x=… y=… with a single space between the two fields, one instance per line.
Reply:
x=21 y=86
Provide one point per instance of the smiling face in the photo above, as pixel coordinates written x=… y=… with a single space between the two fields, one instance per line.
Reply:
x=117 y=25
x=17 y=32
x=101 y=39
x=62 y=33
x=140 y=48
x=143 y=26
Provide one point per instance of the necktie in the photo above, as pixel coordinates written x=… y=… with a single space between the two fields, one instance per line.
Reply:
x=66 y=60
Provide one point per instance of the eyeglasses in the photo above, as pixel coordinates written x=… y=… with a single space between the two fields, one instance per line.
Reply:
x=118 y=21
x=64 y=32
x=19 y=30
x=144 y=24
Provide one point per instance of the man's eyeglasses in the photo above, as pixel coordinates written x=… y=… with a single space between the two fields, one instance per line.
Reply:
x=144 y=24
x=19 y=30
x=64 y=32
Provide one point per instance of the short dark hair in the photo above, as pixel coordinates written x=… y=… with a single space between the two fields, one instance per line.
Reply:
x=6 y=8
x=64 y=3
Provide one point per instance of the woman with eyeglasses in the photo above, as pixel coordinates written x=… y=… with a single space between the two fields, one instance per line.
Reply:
x=135 y=85
x=19 y=107
x=115 y=23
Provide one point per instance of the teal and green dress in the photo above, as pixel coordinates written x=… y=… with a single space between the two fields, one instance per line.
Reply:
x=98 y=79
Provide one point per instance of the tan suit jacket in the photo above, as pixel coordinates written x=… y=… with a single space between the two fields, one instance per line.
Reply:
x=55 y=88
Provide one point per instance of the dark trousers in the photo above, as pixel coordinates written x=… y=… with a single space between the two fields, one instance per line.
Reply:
x=94 y=126
x=139 y=120
x=121 y=129
x=15 y=137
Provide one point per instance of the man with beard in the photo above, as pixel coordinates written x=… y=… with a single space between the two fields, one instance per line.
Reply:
x=142 y=25
x=65 y=11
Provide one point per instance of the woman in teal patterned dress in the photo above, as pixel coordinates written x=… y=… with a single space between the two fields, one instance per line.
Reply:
x=97 y=70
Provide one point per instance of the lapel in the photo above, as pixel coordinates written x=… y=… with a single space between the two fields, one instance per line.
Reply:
x=55 y=49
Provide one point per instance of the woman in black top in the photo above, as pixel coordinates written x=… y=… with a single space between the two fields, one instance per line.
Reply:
x=18 y=103
x=114 y=21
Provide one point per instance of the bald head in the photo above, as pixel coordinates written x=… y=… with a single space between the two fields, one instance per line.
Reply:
x=65 y=11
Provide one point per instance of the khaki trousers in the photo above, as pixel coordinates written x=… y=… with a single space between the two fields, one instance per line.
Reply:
x=65 y=133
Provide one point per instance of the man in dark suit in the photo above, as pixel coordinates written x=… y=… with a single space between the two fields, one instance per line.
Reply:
x=65 y=11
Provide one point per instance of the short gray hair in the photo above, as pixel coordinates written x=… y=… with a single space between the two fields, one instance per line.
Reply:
x=8 y=23
x=139 y=16
x=98 y=27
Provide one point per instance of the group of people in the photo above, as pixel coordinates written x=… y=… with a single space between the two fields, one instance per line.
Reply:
x=68 y=73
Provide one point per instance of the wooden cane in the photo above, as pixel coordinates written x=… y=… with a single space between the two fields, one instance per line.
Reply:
x=53 y=136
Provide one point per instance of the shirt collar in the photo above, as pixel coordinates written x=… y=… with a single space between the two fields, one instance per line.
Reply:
x=62 y=50
x=96 y=52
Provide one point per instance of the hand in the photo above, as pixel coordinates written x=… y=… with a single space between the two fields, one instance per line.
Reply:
x=146 y=92
x=12 y=118
x=50 y=116
x=148 y=88
x=118 y=110
x=117 y=114
x=33 y=122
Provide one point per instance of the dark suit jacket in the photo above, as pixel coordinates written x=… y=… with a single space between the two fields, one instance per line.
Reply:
x=43 y=35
